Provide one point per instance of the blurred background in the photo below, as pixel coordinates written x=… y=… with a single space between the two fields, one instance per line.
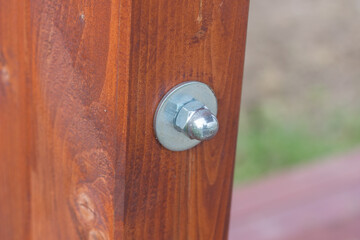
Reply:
x=300 y=116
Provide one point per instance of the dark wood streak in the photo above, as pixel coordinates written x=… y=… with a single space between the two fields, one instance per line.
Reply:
x=79 y=85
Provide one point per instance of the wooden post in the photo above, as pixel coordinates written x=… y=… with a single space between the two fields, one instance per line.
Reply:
x=79 y=84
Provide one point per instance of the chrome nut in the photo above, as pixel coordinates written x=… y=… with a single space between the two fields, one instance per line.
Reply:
x=196 y=121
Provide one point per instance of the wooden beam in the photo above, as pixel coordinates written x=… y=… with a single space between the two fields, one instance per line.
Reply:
x=79 y=85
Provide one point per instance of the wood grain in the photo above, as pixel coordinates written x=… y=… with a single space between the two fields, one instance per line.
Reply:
x=79 y=84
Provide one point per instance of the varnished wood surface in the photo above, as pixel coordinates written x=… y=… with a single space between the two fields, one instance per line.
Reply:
x=79 y=84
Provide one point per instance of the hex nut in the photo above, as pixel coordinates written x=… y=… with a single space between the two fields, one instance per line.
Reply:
x=185 y=113
x=196 y=121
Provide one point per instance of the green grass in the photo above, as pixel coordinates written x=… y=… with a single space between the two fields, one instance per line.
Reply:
x=267 y=144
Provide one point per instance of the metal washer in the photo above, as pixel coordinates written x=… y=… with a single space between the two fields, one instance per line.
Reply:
x=168 y=107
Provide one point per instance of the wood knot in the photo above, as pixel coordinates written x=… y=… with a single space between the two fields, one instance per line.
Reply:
x=85 y=209
x=95 y=234
x=4 y=79
x=4 y=75
x=82 y=17
x=90 y=221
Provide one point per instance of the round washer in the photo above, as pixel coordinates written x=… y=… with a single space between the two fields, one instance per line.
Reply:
x=168 y=107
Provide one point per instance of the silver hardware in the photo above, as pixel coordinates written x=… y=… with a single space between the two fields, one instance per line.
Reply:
x=186 y=116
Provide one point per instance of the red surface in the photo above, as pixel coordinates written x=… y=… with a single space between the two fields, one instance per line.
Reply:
x=317 y=202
